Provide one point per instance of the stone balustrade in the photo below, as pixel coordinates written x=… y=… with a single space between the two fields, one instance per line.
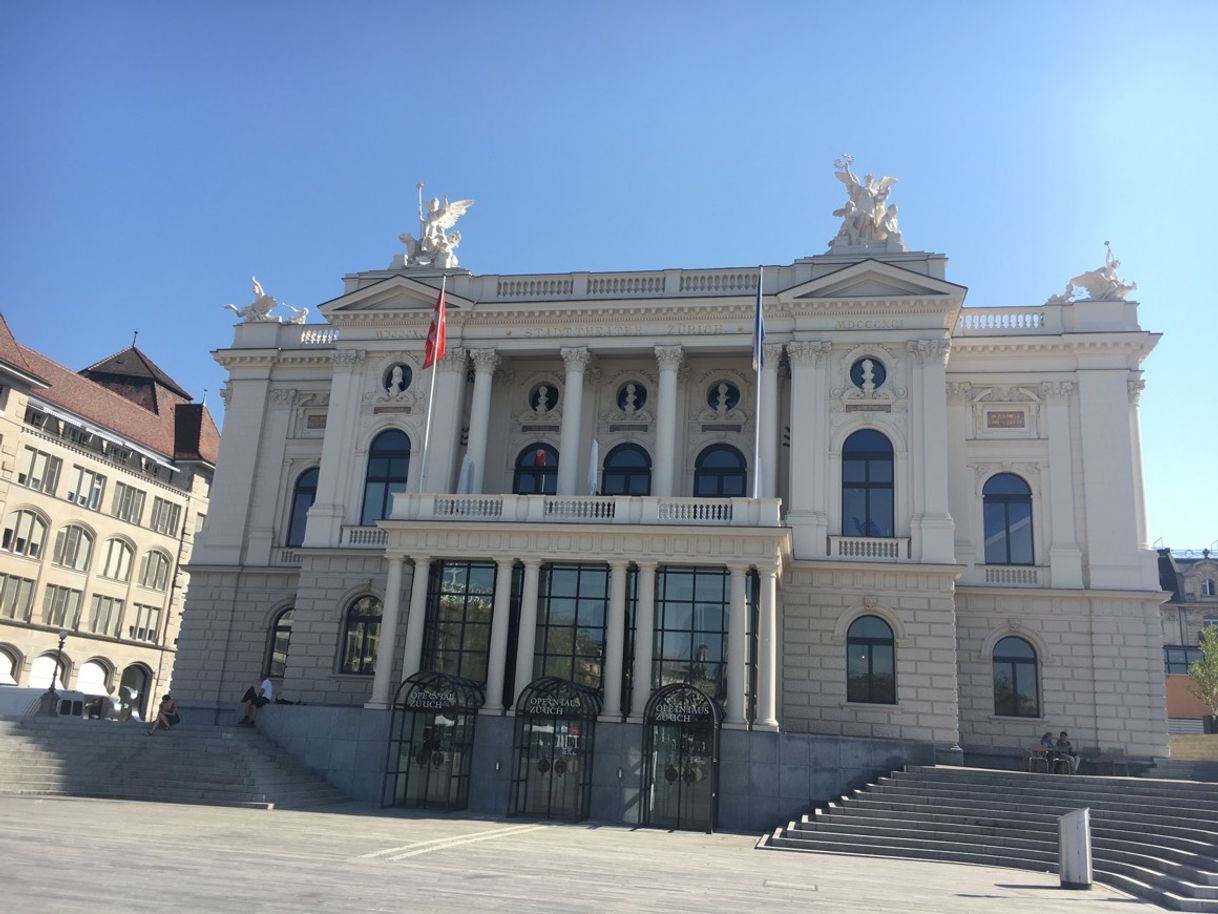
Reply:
x=870 y=548
x=736 y=512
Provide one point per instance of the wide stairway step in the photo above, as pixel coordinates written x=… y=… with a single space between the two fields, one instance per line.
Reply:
x=190 y=764
x=1156 y=839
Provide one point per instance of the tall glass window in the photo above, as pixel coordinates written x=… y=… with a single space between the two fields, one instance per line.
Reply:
x=536 y=471
x=302 y=500
x=388 y=466
x=457 y=635
x=73 y=548
x=277 y=646
x=870 y=662
x=1016 y=690
x=573 y=601
x=720 y=472
x=627 y=471
x=361 y=632
x=867 y=494
x=692 y=611
x=24 y=532
x=1007 y=502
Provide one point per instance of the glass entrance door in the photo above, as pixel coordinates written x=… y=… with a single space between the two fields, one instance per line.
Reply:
x=431 y=742
x=433 y=761
x=681 y=757
x=555 y=728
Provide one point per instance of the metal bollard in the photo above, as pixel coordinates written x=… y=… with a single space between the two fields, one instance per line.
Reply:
x=1074 y=849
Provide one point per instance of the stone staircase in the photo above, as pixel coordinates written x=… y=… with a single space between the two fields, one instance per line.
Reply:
x=1183 y=770
x=222 y=766
x=1155 y=839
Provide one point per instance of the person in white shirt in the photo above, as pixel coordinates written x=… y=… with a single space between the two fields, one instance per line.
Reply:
x=255 y=697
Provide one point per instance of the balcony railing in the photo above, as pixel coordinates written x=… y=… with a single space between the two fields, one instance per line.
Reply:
x=735 y=512
x=869 y=548
x=1021 y=575
x=289 y=556
x=363 y=537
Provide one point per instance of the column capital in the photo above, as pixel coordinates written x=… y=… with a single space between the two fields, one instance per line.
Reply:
x=669 y=357
x=808 y=352
x=454 y=360
x=959 y=391
x=284 y=396
x=1056 y=390
x=420 y=560
x=576 y=358
x=767 y=567
x=485 y=360
x=619 y=564
x=647 y=565
x=1135 y=387
x=739 y=567
x=929 y=350
x=348 y=358
x=773 y=355
x=506 y=563
x=531 y=563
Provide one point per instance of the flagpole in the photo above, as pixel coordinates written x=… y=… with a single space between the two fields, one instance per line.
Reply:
x=758 y=356
x=431 y=394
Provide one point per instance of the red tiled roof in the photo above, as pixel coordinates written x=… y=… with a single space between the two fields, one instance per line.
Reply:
x=92 y=401
x=10 y=351
x=133 y=363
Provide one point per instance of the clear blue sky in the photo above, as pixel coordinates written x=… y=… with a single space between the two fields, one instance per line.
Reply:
x=154 y=155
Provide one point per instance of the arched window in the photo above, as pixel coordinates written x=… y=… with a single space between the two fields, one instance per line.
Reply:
x=871 y=670
x=302 y=500
x=43 y=668
x=1207 y=587
x=536 y=471
x=154 y=570
x=867 y=485
x=277 y=644
x=1007 y=501
x=73 y=548
x=9 y=667
x=117 y=565
x=93 y=677
x=1016 y=692
x=24 y=532
x=720 y=472
x=361 y=631
x=388 y=466
x=627 y=471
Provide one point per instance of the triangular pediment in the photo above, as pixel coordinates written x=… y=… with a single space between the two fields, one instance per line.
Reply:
x=870 y=280
x=390 y=295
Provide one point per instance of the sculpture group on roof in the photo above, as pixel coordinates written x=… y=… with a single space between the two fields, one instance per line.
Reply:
x=867 y=217
x=1101 y=284
x=435 y=245
x=259 y=310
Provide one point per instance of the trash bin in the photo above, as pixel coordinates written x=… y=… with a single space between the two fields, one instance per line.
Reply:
x=1074 y=849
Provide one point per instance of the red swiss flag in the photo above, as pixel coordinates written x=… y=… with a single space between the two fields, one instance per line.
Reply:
x=433 y=351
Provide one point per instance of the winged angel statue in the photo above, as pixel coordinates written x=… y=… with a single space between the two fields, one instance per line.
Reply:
x=435 y=245
x=1102 y=284
x=258 y=310
x=866 y=217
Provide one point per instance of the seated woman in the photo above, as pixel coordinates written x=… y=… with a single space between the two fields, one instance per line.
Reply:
x=166 y=715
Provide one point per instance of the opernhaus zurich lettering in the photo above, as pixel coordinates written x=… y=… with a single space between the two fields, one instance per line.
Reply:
x=820 y=502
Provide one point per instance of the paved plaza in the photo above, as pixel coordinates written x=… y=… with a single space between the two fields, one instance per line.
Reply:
x=72 y=855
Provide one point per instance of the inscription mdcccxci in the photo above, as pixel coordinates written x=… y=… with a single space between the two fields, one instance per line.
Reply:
x=1004 y=418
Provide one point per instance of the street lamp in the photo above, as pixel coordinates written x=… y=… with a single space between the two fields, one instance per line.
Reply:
x=50 y=699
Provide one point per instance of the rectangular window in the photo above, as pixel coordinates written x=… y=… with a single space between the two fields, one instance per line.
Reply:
x=571 y=610
x=692 y=610
x=165 y=516
x=128 y=503
x=1177 y=660
x=105 y=613
x=457 y=632
x=87 y=488
x=16 y=596
x=147 y=623
x=61 y=606
x=39 y=470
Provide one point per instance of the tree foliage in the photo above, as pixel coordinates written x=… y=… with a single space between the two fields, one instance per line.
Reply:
x=1204 y=673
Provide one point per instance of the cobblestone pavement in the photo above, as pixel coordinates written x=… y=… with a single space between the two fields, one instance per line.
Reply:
x=75 y=855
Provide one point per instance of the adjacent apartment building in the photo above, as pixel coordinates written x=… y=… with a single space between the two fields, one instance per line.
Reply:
x=1191 y=577
x=105 y=475
x=595 y=596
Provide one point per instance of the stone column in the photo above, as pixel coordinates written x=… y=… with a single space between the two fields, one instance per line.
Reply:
x=500 y=621
x=644 y=638
x=767 y=650
x=808 y=508
x=737 y=649
x=382 y=677
x=937 y=531
x=669 y=359
x=769 y=420
x=526 y=634
x=1065 y=556
x=416 y=618
x=485 y=362
x=342 y=415
x=576 y=361
x=446 y=423
x=615 y=639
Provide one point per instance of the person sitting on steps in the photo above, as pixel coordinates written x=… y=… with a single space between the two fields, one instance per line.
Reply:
x=254 y=698
x=166 y=716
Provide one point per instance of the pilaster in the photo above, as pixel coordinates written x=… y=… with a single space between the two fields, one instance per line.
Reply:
x=669 y=360
x=485 y=362
x=808 y=511
x=326 y=516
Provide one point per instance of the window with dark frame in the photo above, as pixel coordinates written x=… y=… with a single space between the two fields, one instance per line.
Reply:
x=693 y=605
x=457 y=634
x=361 y=632
x=303 y=496
x=573 y=601
x=1177 y=659
x=626 y=471
x=536 y=471
x=277 y=643
x=871 y=670
x=867 y=485
x=1007 y=504
x=720 y=471
x=388 y=468
x=1016 y=679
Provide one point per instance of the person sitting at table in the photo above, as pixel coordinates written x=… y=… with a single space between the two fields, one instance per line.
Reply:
x=1064 y=751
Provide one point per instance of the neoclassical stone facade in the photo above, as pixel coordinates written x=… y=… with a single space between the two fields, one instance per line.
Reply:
x=948 y=548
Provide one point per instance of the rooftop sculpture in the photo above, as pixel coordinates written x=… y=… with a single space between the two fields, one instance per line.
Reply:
x=867 y=218
x=259 y=309
x=1102 y=284
x=435 y=245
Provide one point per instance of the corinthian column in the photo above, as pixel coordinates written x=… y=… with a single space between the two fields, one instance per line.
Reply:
x=769 y=421
x=576 y=361
x=485 y=363
x=669 y=359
